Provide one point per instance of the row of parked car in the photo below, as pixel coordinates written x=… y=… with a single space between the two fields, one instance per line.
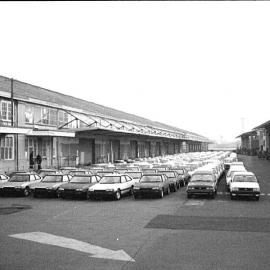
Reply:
x=153 y=176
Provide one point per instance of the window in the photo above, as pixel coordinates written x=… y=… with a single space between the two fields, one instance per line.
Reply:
x=62 y=118
x=6 y=109
x=53 y=117
x=29 y=114
x=45 y=115
x=7 y=151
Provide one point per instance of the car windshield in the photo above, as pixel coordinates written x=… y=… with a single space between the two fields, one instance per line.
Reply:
x=169 y=174
x=80 y=179
x=52 y=178
x=244 y=178
x=110 y=180
x=151 y=178
x=230 y=173
x=20 y=178
x=135 y=175
x=202 y=177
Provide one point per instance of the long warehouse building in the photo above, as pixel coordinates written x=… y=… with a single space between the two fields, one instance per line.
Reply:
x=67 y=131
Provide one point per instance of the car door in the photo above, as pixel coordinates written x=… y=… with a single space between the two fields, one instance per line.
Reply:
x=130 y=182
x=124 y=185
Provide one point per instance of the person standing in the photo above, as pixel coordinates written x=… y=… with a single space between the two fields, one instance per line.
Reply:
x=31 y=160
x=39 y=160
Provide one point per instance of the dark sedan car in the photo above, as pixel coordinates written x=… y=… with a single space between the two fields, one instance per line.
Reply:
x=174 y=179
x=152 y=184
x=184 y=176
x=49 y=185
x=78 y=186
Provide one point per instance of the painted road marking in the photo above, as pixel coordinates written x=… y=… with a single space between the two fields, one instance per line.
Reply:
x=194 y=203
x=96 y=251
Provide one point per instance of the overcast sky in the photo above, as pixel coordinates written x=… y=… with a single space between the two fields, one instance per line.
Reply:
x=200 y=66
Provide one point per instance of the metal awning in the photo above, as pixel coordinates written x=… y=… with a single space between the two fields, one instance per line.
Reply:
x=14 y=130
x=264 y=125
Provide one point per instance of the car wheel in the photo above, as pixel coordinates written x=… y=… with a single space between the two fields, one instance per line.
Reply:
x=257 y=198
x=131 y=190
x=161 y=194
x=26 y=192
x=168 y=191
x=88 y=196
x=174 y=188
x=118 y=195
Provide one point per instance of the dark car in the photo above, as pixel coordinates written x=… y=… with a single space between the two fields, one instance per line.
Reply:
x=184 y=176
x=202 y=184
x=49 y=185
x=174 y=179
x=152 y=184
x=19 y=184
x=78 y=186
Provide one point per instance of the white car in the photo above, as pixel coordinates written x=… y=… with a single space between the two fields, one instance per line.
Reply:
x=230 y=173
x=19 y=183
x=244 y=184
x=3 y=178
x=112 y=185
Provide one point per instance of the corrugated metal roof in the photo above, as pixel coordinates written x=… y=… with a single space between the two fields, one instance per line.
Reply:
x=31 y=93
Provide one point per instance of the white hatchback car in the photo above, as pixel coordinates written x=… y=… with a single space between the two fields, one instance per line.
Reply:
x=230 y=173
x=112 y=185
x=244 y=184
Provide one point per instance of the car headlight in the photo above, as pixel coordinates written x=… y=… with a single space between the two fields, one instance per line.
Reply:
x=110 y=189
x=136 y=187
x=256 y=189
x=156 y=188
x=209 y=188
x=61 y=189
x=49 y=188
x=234 y=189
x=18 y=187
x=190 y=187
x=79 y=189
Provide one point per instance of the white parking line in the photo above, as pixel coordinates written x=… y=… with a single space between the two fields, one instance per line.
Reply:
x=194 y=203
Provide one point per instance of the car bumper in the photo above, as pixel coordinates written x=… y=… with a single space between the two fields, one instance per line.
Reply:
x=99 y=194
x=208 y=192
x=146 y=192
x=45 y=192
x=11 y=191
x=245 y=193
x=72 y=193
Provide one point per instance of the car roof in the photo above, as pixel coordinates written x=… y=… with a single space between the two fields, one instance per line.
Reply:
x=244 y=173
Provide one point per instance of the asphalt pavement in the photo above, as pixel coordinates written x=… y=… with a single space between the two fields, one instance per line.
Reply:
x=169 y=233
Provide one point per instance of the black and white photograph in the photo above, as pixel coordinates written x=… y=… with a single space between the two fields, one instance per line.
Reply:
x=135 y=135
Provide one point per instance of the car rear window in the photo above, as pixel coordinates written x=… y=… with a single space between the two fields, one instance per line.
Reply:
x=244 y=178
x=110 y=180
x=201 y=177
x=151 y=178
x=80 y=179
x=52 y=178
x=169 y=174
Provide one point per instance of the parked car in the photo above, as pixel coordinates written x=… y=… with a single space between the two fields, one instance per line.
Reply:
x=202 y=183
x=244 y=184
x=4 y=178
x=106 y=172
x=78 y=186
x=112 y=185
x=19 y=184
x=49 y=185
x=152 y=184
x=184 y=175
x=136 y=175
x=238 y=168
x=174 y=179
